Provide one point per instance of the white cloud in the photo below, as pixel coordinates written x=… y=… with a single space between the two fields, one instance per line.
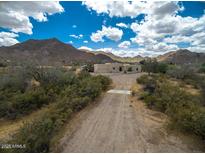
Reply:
x=8 y=39
x=162 y=29
x=70 y=42
x=117 y=8
x=76 y=36
x=124 y=44
x=122 y=25
x=74 y=26
x=85 y=48
x=161 y=47
x=162 y=9
x=15 y=15
x=200 y=48
x=133 y=8
x=129 y=52
x=111 y=33
x=85 y=41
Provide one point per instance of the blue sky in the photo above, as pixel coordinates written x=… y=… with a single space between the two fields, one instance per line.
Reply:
x=166 y=26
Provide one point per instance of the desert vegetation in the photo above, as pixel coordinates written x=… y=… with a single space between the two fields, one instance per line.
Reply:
x=186 y=110
x=26 y=89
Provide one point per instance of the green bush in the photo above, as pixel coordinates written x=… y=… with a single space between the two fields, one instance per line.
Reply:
x=88 y=67
x=83 y=75
x=202 y=68
x=68 y=92
x=21 y=104
x=184 y=109
x=35 y=135
x=148 y=81
x=9 y=82
x=181 y=72
x=89 y=88
x=18 y=96
x=103 y=80
x=143 y=79
x=79 y=103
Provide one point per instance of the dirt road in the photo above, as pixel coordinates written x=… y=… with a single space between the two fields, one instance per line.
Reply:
x=117 y=125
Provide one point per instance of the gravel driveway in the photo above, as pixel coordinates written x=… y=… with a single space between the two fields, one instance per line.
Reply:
x=117 y=125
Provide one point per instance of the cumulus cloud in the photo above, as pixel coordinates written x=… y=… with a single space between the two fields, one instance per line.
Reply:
x=129 y=52
x=8 y=39
x=163 y=29
x=133 y=8
x=122 y=25
x=15 y=15
x=85 y=41
x=122 y=52
x=111 y=33
x=74 y=26
x=85 y=48
x=117 y=8
x=70 y=42
x=124 y=44
x=76 y=36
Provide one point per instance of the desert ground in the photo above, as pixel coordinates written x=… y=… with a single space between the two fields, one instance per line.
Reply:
x=119 y=123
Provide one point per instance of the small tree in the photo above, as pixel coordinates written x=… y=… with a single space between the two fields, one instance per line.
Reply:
x=202 y=68
x=152 y=66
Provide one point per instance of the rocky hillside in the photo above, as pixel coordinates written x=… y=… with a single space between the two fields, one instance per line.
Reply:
x=49 y=52
x=118 y=58
x=183 y=56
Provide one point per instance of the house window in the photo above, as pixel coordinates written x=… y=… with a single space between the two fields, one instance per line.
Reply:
x=136 y=69
x=113 y=68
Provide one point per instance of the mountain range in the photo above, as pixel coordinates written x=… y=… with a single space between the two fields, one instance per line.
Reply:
x=54 y=52
x=182 y=56
x=49 y=52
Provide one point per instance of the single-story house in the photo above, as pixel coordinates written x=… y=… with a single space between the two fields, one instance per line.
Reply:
x=117 y=68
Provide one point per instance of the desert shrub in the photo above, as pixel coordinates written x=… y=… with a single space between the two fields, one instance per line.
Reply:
x=35 y=135
x=22 y=103
x=55 y=78
x=88 y=67
x=13 y=83
x=143 y=79
x=103 y=80
x=190 y=120
x=182 y=72
x=148 y=81
x=2 y=64
x=184 y=109
x=79 y=103
x=202 y=68
x=18 y=97
x=170 y=98
x=26 y=102
x=89 y=88
x=83 y=75
x=75 y=93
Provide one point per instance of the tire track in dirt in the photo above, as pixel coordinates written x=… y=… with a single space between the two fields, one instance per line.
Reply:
x=117 y=125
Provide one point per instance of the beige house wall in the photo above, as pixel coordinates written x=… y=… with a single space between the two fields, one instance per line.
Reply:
x=116 y=68
x=107 y=68
x=132 y=68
